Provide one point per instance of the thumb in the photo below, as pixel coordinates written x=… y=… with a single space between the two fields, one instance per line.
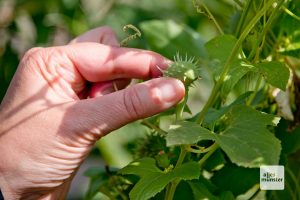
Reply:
x=94 y=118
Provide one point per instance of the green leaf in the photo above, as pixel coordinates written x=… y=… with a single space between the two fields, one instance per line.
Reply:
x=100 y=196
x=168 y=38
x=275 y=73
x=153 y=180
x=187 y=133
x=247 y=141
x=219 y=50
x=232 y=178
x=220 y=47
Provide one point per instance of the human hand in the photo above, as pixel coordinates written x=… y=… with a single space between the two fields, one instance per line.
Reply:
x=48 y=125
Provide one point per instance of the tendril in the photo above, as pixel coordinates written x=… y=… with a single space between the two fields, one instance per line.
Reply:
x=137 y=33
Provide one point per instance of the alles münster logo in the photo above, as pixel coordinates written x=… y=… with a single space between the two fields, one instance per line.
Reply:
x=272 y=177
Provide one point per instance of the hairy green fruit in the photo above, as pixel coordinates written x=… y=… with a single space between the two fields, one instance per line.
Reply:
x=186 y=70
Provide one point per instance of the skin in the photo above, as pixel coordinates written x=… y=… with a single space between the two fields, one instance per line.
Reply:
x=63 y=99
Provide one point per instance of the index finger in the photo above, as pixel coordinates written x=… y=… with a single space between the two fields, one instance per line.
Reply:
x=103 y=35
x=98 y=62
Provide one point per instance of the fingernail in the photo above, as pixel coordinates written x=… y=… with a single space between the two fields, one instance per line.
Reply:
x=171 y=90
x=160 y=67
x=168 y=62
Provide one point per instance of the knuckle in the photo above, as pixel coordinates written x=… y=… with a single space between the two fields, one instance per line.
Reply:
x=46 y=61
x=107 y=30
x=55 y=53
x=32 y=53
x=133 y=103
x=32 y=57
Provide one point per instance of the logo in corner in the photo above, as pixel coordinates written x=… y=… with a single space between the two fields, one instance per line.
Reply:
x=272 y=177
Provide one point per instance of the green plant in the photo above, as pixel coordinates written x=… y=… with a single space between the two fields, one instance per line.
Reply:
x=216 y=152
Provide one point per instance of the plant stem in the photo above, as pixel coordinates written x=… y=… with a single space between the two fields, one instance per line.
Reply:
x=172 y=189
x=199 y=150
x=172 y=186
x=262 y=41
x=210 y=15
x=243 y=18
x=152 y=126
x=250 y=194
x=181 y=156
x=266 y=28
x=214 y=147
x=291 y=13
x=180 y=107
x=232 y=56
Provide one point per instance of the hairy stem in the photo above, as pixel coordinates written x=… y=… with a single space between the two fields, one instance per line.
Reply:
x=199 y=150
x=172 y=189
x=243 y=18
x=152 y=126
x=180 y=107
x=291 y=13
x=172 y=186
x=211 y=16
x=267 y=25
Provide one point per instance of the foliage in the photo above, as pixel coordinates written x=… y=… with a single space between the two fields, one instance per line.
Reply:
x=246 y=52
